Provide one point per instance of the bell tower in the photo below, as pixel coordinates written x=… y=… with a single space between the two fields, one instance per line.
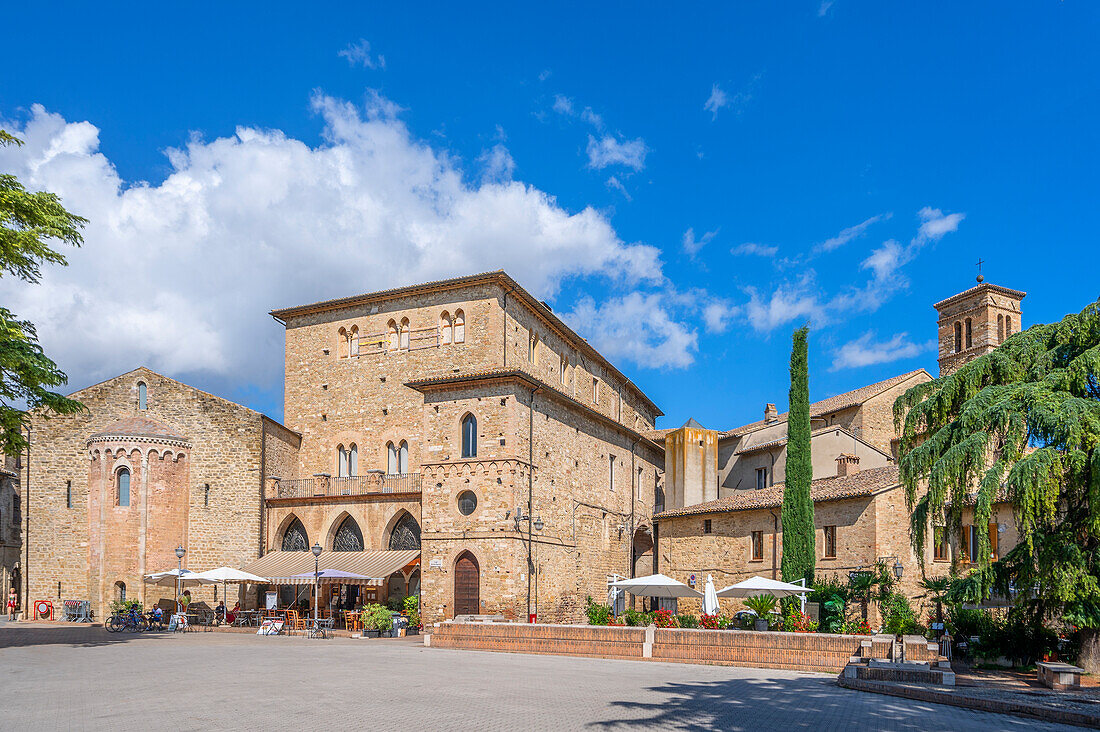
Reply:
x=975 y=322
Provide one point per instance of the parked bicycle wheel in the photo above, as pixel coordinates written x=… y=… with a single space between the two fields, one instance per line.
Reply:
x=114 y=624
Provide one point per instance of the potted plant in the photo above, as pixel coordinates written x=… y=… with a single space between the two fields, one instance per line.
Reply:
x=412 y=614
x=376 y=619
x=762 y=605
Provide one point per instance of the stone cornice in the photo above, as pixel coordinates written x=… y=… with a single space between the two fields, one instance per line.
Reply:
x=143 y=439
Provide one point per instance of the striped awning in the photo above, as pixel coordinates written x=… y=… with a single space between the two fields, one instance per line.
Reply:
x=280 y=568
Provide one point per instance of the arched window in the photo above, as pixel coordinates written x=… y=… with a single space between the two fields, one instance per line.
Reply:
x=353 y=460
x=469 y=436
x=1008 y=326
x=342 y=343
x=120 y=591
x=958 y=337
x=295 y=538
x=391 y=458
x=405 y=534
x=460 y=327
x=533 y=347
x=969 y=333
x=403 y=457
x=563 y=365
x=404 y=341
x=445 y=326
x=348 y=537
x=391 y=330
x=123 y=481
x=1000 y=328
x=341 y=462
x=143 y=395
x=353 y=341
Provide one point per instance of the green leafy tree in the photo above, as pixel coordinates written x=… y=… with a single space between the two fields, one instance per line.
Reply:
x=28 y=223
x=799 y=552
x=937 y=587
x=1021 y=424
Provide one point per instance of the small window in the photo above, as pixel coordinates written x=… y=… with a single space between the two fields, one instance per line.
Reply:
x=206 y=494
x=969 y=333
x=123 y=480
x=120 y=591
x=563 y=366
x=391 y=334
x=469 y=436
x=1000 y=328
x=341 y=462
x=1008 y=326
x=958 y=337
x=460 y=327
x=391 y=458
x=68 y=494
x=16 y=509
x=343 y=345
x=611 y=472
x=758 y=546
x=467 y=502
x=143 y=393
x=533 y=347
x=595 y=390
x=761 y=478
x=445 y=327
x=353 y=460
x=939 y=543
x=403 y=457
x=706 y=526
x=830 y=542
x=404 y=334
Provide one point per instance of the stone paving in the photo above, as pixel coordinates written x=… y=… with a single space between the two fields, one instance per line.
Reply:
x=80 y=677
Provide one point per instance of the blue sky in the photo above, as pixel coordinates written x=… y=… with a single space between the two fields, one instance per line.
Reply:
x=685 y=186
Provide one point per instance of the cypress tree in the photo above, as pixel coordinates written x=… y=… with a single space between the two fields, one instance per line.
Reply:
x=799 y=551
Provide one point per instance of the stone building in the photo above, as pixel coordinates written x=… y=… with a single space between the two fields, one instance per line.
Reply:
x=11 y=529
x=152 y=464
x=860 y=513
x=516 y=450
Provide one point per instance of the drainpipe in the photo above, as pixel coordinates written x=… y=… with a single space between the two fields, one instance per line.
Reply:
x=775 y=543
x=530 y=490
x=27 y=535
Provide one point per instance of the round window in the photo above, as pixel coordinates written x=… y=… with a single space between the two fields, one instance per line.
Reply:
x=467 y=502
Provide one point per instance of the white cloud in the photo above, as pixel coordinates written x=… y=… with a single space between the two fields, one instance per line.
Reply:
x=615 y=184
x=847 y=235
x=864 y=351
x=754 y=249
x=592 y=118
x=934 y=223
x=716 y=101
x=719 y=314
x=358 y=54
x=608 y=151
x=823 y=8
x=179 y=275
x=693 y=245
x=545 y=74
x=498 y=163
x=785 y=304
x=637 y=327
x=563 y=104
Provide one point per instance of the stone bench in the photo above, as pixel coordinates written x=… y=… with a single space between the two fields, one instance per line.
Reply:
x=1059 y=676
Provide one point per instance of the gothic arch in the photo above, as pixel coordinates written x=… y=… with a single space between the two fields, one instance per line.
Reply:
x=286 y=539
x=345 y=535
x=402 y=532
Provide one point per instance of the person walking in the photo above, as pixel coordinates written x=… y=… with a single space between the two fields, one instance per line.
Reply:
x=13 y=602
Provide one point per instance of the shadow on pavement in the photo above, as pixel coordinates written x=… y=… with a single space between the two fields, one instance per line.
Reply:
x=782 y=703
x=14 y=636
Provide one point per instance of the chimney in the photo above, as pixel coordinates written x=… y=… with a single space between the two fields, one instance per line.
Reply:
x=846 y=465
x=771 y=414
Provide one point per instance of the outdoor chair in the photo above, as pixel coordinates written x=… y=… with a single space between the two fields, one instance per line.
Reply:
x=294 y=621
x=353 y=620
x=322 y=628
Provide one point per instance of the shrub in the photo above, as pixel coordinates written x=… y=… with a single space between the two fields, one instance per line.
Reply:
x=688 y=621
x=597 y=614
x=664 y=619
x=713 y=622
x=377 y=617
x=899 y=615
x=412 y=610
x=855 y=627
x=795 y=621
x=635 y=618
x=123 y=606
x=831 y=595
x=760 y=604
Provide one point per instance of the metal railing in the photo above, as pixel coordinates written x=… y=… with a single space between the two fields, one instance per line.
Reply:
x=358 y=485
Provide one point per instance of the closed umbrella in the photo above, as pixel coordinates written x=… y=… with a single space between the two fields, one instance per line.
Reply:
x=710 y=598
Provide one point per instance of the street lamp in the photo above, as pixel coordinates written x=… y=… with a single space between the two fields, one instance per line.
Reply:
x=539 y=524
x=898 y=569
x=180 y=551
x=316 y=573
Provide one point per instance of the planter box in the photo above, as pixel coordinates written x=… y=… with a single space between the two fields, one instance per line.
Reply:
x=368 y=633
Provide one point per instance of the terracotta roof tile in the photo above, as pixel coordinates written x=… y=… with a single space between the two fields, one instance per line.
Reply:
x=835 y=403
x=138 y=427
x=863 y=483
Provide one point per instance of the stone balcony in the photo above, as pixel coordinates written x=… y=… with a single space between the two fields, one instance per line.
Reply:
x=326 y=486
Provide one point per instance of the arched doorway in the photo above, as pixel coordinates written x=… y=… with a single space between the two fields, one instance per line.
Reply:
x=395 y=586
x=467 y=585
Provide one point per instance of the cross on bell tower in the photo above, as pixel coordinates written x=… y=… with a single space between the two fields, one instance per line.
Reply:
x=981 y=279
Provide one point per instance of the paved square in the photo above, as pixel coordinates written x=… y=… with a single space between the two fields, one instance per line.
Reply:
x=79 y=678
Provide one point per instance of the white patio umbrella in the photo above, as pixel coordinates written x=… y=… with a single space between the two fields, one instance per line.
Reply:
x=710 y=598
x=656 y=585
x=172 y=576
x=754 y=586
x=225 y=575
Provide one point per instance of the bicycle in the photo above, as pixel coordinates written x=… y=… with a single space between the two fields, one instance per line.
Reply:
x=130 y=620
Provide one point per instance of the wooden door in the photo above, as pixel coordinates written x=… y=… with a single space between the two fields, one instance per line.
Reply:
x=467 y=598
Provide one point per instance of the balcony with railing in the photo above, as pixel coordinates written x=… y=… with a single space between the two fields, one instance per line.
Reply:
x=326 y=486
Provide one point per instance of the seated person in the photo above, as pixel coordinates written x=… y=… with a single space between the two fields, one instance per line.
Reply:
x=232 y=615
x=219 y=611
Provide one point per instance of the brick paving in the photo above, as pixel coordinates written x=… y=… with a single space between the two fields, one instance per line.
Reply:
x=79 y=677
